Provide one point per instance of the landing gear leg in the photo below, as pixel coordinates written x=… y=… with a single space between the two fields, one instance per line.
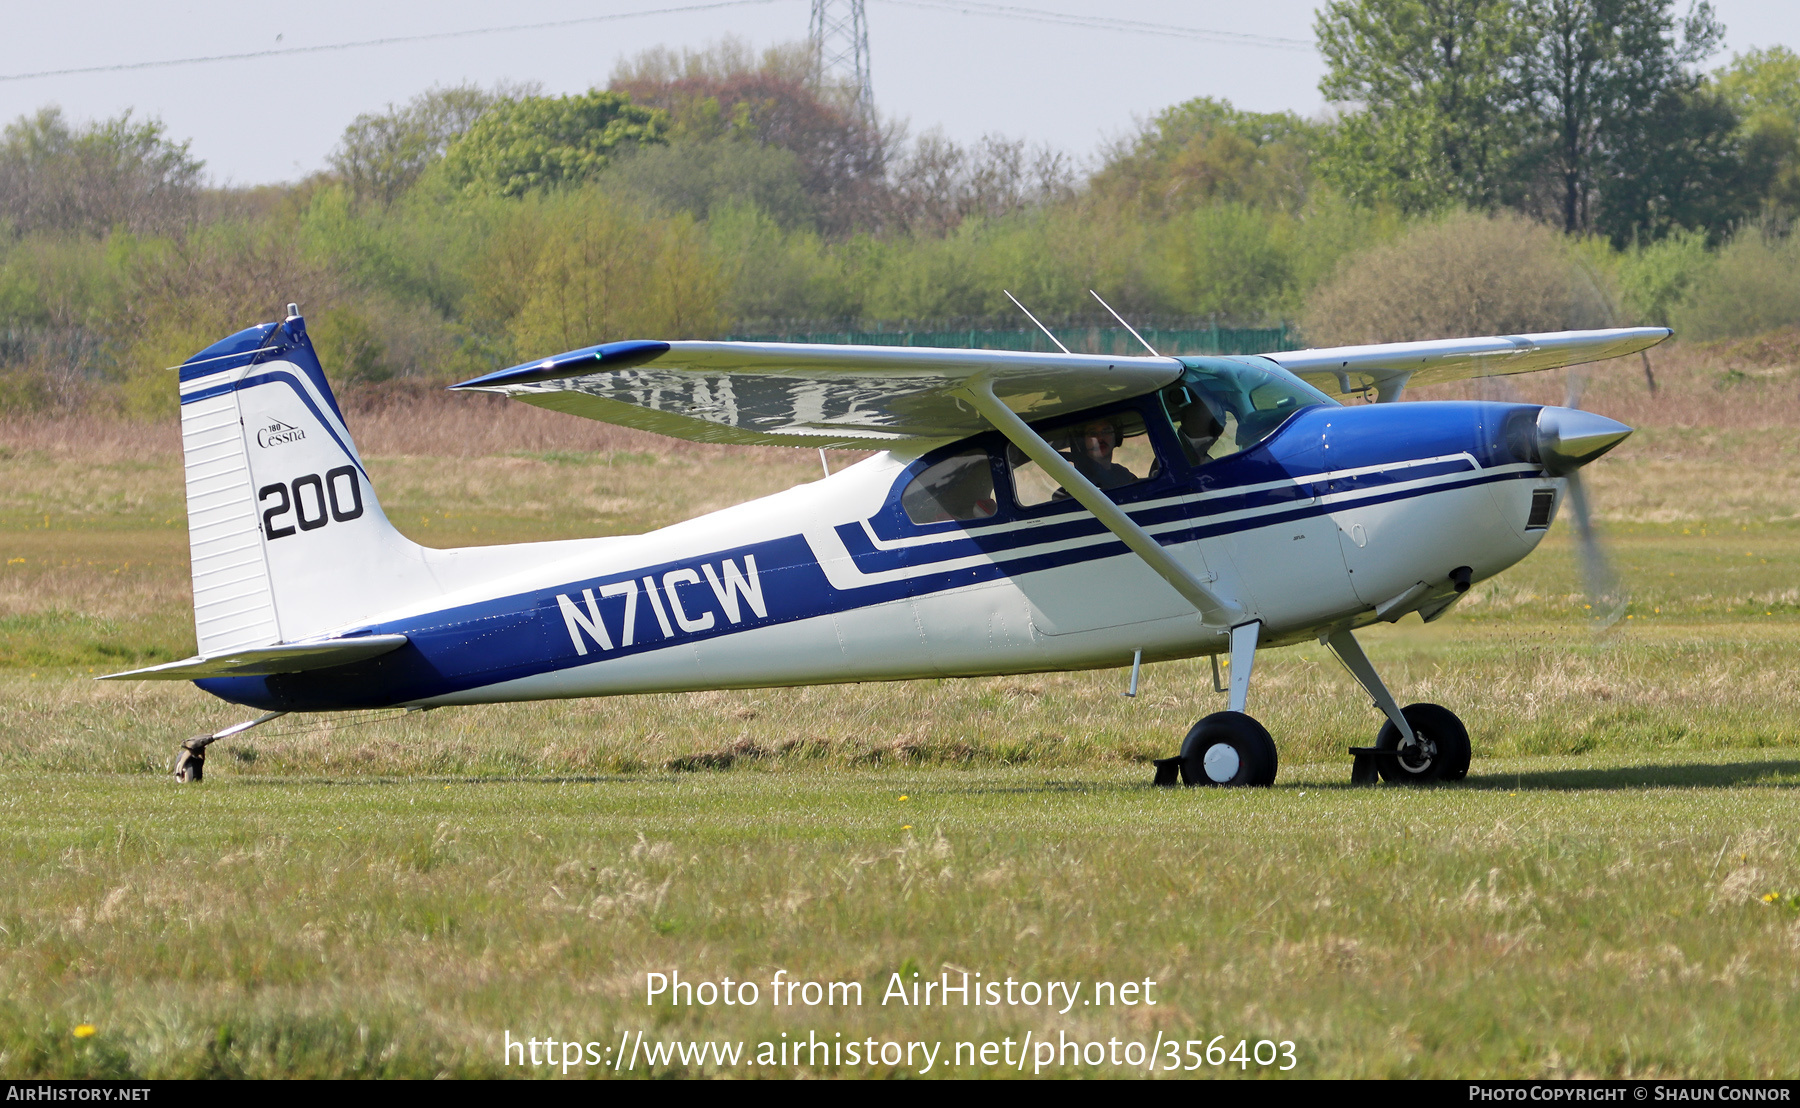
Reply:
x=1227 y=748
x=190 y=760
x=1419 y=743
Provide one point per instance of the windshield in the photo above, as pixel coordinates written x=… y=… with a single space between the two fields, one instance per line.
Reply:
x=1223 y=405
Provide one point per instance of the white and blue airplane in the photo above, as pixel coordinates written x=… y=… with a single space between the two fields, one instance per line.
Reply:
x=1024 y=512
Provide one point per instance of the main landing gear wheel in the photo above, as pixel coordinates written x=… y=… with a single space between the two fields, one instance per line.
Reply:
x=1228 y=748
x=1441 y=754
x=190 y=760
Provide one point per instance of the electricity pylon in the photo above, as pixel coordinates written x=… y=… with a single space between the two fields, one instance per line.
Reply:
x=839 y=37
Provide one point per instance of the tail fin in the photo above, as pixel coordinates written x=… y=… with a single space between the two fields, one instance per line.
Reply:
x=287 y=538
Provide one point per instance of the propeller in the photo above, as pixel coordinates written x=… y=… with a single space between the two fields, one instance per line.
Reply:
x=1569 y=438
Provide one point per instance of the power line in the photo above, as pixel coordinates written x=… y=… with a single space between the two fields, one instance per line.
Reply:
x=1104 y=23
x=395 y=40
x=962 y=7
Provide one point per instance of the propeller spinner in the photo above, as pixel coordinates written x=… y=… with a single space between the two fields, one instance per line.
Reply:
x=1569 y=438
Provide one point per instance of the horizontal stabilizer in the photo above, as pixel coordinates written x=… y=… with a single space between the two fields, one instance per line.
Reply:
x=262 y=661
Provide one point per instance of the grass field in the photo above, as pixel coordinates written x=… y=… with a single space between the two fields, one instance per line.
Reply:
x=1616 y=891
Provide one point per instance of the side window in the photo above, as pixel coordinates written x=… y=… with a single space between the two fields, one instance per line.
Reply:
x=961 y=487
x=1112 y=451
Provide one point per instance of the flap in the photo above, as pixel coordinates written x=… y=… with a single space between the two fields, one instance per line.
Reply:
x=800 y=394
x=262 y=661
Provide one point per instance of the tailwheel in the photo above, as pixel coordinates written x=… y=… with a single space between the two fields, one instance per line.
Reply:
x=190 y=760
x=1228 y=748
x=1441 y=754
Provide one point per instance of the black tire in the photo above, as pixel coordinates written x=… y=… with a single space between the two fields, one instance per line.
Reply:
x=1242 y=753
x=1446 y=747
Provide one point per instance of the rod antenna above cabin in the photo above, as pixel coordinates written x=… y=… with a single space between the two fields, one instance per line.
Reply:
x=839 y=37
x=1124 y=324
x=1034 y=319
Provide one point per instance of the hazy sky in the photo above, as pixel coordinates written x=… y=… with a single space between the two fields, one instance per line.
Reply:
x=276 y=118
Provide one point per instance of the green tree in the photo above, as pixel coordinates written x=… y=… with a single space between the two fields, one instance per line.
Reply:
x=1611 y=88
x=1227 y=260
x=776 y=272
x=383 y=153
x=1432 y=91
x=939 y=184
x=699 y=177
x=120 y=172
x=578 y=267
x=1206 y=150
x=1764 y=88
x=1763 y=84
x=727 y=91
x=544 y=142
x=1682 y=164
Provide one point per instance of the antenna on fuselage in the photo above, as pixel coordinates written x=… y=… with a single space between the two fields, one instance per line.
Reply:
x=1124 y=324
x=1034 y=319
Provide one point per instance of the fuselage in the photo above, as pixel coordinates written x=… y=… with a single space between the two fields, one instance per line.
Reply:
x=1339 y=517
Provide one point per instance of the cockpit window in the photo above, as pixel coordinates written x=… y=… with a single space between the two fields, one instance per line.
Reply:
x=1221 y=406
x=1112 y=451
x=961 y=487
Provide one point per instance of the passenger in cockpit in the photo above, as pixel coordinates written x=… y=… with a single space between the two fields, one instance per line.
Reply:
x=1200 y=429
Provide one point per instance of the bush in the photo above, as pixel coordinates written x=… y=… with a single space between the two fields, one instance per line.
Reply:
x=1458 y=276
x=186 y=294
x=25 y=390
x=1654 y=279
x=775 y=273
x=1227 y=260
x=581 y=268
x=1753 y=287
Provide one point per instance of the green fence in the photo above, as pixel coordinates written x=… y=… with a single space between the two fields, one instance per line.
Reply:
x=1082 y=340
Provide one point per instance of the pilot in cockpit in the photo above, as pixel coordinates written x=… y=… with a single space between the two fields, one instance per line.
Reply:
x=1092 y=454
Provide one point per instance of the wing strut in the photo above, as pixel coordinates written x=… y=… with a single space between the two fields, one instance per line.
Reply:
x=1213 y=609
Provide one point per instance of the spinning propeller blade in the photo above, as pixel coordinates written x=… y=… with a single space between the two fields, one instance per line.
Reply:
x=1606 y=593
x=1569 y=438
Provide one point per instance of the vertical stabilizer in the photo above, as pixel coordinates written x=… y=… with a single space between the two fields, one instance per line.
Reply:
x=288 y=539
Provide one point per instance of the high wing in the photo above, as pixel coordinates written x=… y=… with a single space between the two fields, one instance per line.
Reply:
x=798 y=394
x=1353 y=370
x=260 y=661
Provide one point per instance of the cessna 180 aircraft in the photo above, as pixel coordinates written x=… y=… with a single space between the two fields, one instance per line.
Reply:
x=1023 y=512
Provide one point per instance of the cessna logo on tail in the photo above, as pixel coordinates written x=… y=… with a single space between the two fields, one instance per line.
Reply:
x=674 y=595
x=278 y=433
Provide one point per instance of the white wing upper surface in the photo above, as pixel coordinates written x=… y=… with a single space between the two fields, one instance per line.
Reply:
x=798 y=394
x=1351 y=370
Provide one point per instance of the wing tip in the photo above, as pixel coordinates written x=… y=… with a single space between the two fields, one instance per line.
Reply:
x=588 y=359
